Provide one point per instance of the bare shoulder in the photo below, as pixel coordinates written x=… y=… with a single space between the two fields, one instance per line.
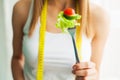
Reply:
x=20 y=11
x=99 y=20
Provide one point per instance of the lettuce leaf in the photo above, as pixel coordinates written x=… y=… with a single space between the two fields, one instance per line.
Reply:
x=65 y=23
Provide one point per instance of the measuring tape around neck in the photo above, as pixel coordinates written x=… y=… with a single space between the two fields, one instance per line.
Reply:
x=43 y=17
x=40 y=67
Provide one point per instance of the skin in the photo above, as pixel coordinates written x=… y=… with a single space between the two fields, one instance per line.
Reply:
x=98 y=21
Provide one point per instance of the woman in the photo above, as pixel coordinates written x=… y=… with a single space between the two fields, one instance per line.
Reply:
x=59 y=62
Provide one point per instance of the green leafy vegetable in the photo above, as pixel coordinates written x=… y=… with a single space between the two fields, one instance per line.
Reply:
x=64 y=22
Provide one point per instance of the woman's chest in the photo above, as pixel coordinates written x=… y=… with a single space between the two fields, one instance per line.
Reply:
x=58 y=50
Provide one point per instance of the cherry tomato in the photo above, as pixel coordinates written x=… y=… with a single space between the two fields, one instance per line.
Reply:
x=69 y=11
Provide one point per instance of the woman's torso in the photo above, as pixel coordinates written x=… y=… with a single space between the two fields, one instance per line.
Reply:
x=59 y=53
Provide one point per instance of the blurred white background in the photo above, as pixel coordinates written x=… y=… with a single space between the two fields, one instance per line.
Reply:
x=110 y=68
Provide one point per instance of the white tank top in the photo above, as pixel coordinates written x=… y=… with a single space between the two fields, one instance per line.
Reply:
x=59 y=54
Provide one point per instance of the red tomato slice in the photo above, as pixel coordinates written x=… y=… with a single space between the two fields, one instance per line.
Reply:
x=69 y=11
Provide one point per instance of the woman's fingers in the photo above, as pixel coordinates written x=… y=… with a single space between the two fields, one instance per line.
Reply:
x=83 y=65
x=86 y=78
x=84 y=69
x=85 y=72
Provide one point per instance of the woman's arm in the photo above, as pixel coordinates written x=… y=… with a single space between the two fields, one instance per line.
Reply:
x=100 y=21
x=18 y=20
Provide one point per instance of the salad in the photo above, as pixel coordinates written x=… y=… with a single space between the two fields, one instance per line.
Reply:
x=67 y=19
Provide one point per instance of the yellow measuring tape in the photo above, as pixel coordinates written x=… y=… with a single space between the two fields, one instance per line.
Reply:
x=40 y=67
x=78 y=34
x=43 y=17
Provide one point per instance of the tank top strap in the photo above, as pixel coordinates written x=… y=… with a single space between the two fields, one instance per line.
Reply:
x=29 y=19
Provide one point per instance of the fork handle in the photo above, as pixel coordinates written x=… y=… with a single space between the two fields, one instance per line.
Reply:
x=75 y=49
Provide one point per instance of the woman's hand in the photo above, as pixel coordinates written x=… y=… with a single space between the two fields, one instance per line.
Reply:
x=85 y=71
